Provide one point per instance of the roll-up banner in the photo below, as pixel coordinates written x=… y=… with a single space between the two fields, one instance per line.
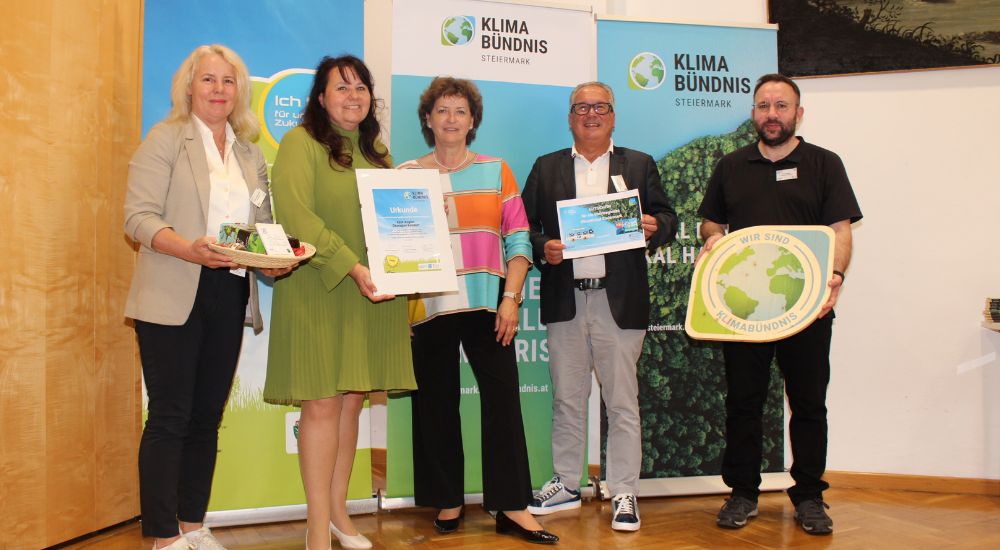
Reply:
x=525 y=61
x=683 y=94
x=257 y=475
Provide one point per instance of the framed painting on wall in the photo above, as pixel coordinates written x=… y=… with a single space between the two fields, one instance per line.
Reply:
x=831 y=37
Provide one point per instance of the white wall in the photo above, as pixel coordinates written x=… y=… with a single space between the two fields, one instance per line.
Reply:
x=916 y=380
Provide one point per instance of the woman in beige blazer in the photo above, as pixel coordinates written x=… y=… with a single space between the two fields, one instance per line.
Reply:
x=196 y=169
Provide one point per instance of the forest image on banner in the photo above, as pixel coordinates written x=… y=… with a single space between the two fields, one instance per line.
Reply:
x=683 y=94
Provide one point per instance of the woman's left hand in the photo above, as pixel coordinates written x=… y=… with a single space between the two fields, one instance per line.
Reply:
x=363 y=278
x=506 y=323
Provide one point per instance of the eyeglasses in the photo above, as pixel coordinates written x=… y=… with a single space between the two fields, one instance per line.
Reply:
x=584 y=108
x=780 y=106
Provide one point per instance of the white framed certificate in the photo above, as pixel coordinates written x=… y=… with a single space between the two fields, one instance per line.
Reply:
x=597 y=225
x=406 y=231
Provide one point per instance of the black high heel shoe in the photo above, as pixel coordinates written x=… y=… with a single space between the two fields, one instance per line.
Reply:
x=506 y=525
x=445 y=526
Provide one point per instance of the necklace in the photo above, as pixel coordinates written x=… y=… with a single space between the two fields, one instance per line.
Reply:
x=449 y=168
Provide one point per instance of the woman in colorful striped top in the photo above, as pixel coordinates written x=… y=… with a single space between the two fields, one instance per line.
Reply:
x=489 y=238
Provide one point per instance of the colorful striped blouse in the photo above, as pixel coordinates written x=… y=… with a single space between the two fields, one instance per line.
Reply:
x=488 y=228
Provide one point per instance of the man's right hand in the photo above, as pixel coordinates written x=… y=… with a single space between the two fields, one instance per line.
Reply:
x=553 y=251
x=707 y=246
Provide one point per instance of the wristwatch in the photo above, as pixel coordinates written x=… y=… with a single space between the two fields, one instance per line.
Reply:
x=516 y=296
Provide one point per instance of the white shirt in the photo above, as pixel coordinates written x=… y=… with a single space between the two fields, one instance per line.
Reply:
x=229 y=200
x=591 y=180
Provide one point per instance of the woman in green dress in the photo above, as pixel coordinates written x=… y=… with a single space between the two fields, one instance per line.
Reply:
x=332 y=341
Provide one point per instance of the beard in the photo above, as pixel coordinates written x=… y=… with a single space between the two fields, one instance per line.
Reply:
x=786 y=133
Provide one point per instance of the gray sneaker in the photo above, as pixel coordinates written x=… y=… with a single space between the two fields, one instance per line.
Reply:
x=554 y=497
x=810 y=514
x=736 y=512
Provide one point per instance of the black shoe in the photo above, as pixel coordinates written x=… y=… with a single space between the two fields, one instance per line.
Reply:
x=445 y=526
x=736 y=512
x=810 y=514
x=506 y=525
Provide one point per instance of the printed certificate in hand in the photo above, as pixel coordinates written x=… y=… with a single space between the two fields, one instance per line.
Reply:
x=601 y=224
x=406 y=230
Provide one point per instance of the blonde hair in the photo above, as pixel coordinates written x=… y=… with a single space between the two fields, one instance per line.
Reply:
x=243 y=121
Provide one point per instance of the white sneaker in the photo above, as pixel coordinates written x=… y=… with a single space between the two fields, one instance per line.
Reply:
x=554 y=497
x=180 y=544
x=625 y=516
x=203 y=539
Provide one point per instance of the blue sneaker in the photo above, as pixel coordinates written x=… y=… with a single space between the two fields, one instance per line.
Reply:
x=625 y=516
x=554 y=497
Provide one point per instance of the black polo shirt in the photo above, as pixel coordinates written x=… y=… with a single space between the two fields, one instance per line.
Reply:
x=808 y=187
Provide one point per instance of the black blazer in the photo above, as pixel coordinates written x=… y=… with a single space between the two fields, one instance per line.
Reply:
x=552 y=179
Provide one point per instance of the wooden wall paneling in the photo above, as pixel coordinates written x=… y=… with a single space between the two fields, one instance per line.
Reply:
x=118 y=417
x=70 y=133
x=69 y=377
x=25 y=53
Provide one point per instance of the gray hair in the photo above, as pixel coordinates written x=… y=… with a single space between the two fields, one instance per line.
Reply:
x=603 y=86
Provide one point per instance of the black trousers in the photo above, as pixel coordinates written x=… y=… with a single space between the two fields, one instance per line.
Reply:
x=188 y=370
x=804 y=361
x=438 y=459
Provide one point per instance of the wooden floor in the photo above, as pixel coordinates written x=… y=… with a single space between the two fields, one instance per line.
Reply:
x=863 y=519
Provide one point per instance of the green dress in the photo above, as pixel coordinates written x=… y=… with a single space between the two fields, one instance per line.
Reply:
x=326 y=338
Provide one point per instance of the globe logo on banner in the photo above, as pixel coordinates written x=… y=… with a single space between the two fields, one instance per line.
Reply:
x=761 y=284
x=458 y=30
x=646 y=71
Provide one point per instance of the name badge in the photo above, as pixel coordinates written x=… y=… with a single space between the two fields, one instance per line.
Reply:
x=257 y=198
x=619 y=183
x=786 y=174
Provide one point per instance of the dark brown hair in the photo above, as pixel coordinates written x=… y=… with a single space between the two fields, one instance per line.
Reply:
x=317 y=122
x=775 y=77
x=447 y=86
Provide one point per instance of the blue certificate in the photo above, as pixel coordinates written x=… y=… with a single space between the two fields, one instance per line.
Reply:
x=601 y=224
x=406 y=231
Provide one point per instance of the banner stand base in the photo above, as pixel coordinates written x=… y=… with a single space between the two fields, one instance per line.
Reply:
x=398 y=503
x=699 y=485
x=275 y=514
x=663 y=487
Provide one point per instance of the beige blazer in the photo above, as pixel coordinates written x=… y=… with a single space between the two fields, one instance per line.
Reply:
x=168 y=186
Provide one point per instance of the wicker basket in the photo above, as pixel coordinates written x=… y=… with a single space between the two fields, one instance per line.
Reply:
x=252 y=259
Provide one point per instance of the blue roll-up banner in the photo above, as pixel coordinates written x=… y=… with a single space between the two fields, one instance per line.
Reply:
x=683 y=94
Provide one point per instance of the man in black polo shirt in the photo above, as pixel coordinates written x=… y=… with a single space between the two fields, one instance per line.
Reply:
x=780 y=180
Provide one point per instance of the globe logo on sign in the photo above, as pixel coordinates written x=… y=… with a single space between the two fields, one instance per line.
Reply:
x=646 y=71
x=458 y=30
x=760 y=294
x=761 y=284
